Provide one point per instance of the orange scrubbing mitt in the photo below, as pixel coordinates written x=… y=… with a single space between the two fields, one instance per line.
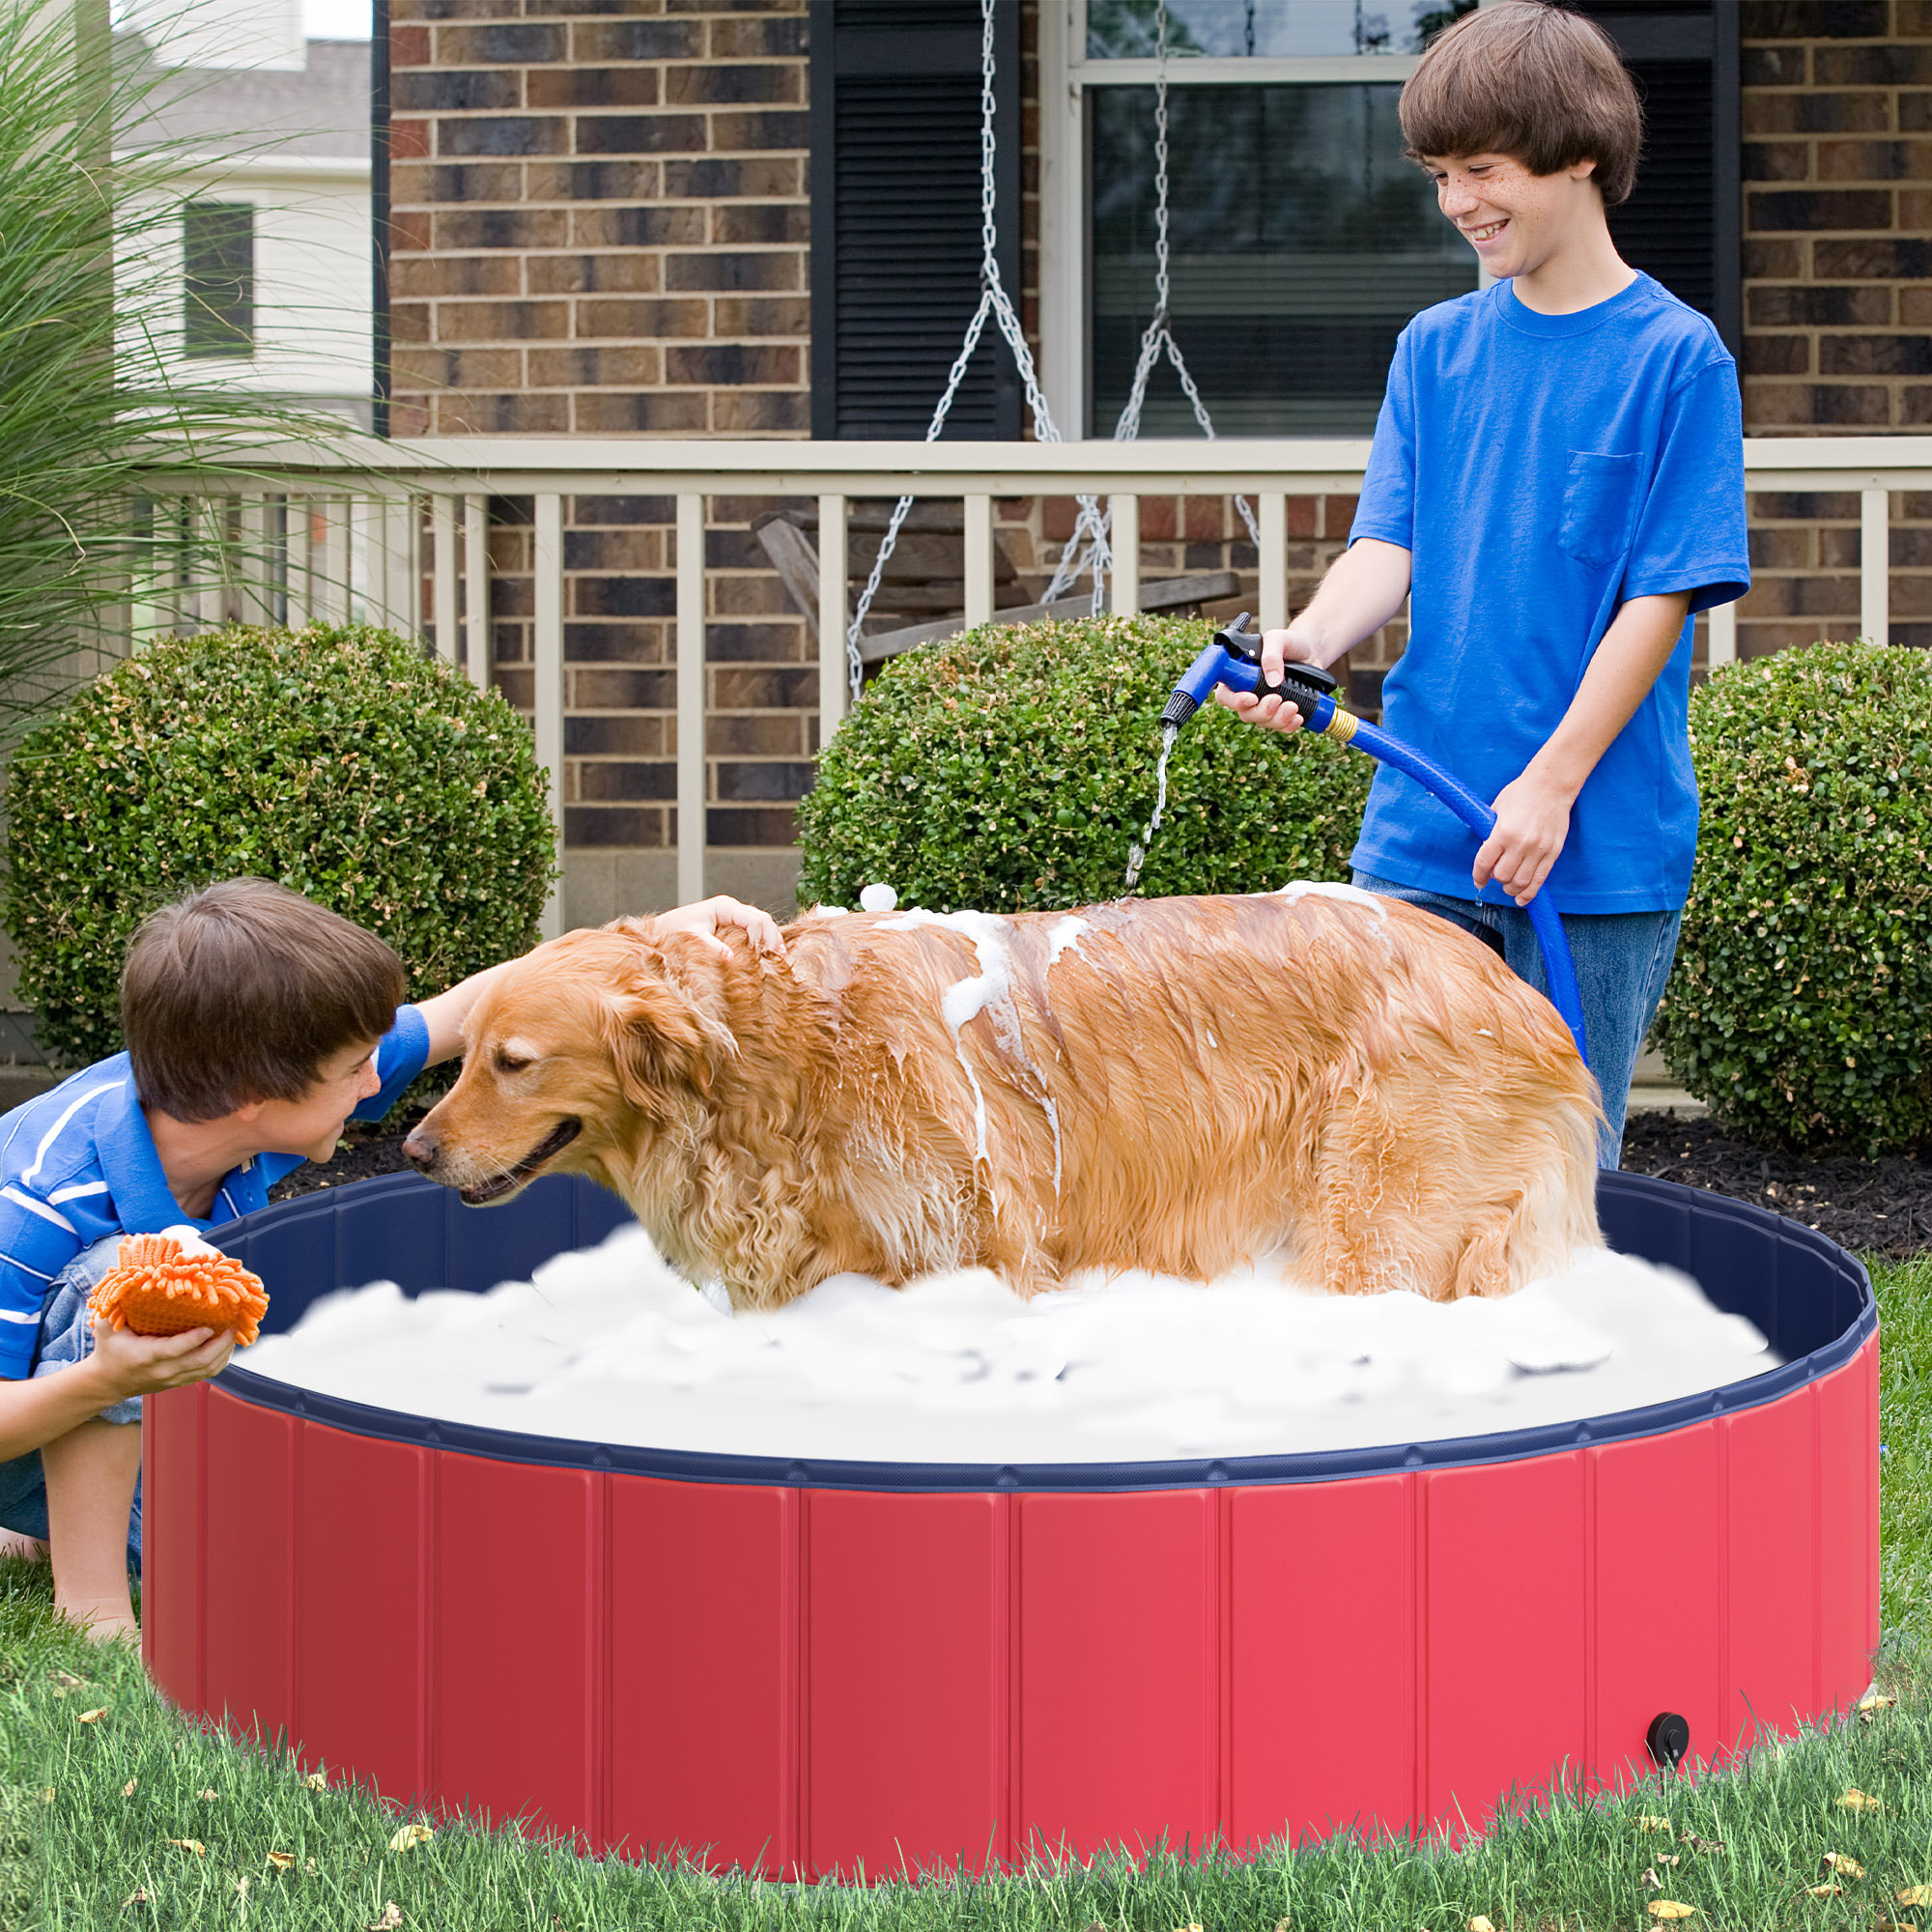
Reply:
x=156 y=1288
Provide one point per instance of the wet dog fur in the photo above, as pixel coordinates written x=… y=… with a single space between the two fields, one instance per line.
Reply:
x=1177 y=1085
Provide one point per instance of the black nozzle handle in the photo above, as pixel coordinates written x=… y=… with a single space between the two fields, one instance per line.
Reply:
x=1238 y=642
x=1301 y=683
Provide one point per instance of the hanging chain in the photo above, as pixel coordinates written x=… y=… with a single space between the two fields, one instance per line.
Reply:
x=1091 y=525
x=1094 y=525
x=1160 y=280
x=994 y=302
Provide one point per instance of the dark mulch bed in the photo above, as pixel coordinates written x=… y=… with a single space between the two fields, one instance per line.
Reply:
x=1871 y=1207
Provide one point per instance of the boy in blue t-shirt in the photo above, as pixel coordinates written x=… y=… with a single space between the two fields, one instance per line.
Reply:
x=1556 y=485
x=257 y=1024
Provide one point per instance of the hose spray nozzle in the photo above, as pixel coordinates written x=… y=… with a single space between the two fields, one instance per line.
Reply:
x=1234 y=659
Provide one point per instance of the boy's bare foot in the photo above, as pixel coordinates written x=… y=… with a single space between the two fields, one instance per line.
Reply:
x=21 y=1547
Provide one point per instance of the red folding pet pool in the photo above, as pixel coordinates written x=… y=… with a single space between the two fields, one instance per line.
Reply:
x=807 y=1667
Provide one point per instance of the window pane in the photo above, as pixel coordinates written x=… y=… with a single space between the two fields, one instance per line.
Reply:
x=1301 y=243
x=218 y=270
x=1267 y=29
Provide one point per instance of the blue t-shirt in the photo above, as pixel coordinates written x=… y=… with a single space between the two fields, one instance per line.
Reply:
x=1541 y=469
x=80 y=1164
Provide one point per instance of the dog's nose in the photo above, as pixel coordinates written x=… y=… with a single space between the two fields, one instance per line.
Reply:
x=422 y=1152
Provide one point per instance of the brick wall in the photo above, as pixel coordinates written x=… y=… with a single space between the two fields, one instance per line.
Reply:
x=1837 y=164
x=621 y=728
x=601 y=227
x=600 y=217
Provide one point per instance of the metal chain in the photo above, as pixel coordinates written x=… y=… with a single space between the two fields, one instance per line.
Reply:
x=1160 y=281
x=1094 y=525
x=994 y=301
x=1091 y=525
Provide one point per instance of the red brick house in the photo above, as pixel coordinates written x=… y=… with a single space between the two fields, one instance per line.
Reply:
x=761 y=218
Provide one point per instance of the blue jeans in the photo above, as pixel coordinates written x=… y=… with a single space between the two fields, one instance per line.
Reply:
x=66 y=1337
x=1622 y=958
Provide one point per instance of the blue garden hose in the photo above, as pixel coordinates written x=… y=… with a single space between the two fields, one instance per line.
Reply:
x=1233 y=659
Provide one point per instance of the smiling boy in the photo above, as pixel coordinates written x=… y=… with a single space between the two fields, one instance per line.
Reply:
x=257 y=1025
x=1556 y=485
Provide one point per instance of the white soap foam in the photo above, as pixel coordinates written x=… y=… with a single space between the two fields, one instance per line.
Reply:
x=609 y=1344
x=989 y=991
x=878 y=897
x=1059 y=936
x=1328 y=889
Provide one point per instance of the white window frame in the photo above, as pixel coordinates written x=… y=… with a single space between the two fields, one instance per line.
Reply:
x=1066 y=77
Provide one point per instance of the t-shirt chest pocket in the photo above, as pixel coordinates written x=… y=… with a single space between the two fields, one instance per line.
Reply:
x=1600 y=502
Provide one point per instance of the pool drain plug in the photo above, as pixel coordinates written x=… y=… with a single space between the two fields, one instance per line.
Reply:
x=1667 y=1740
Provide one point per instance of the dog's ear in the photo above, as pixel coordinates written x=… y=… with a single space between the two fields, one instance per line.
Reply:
x=662 y=1031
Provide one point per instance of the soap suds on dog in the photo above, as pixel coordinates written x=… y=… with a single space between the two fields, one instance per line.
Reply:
x=609 y=1345
x=1062 y=934
x=990 y=991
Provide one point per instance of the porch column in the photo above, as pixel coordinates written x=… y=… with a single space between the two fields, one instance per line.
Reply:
x=690 y=697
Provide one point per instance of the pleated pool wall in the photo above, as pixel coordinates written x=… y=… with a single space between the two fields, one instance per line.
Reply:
x=814 y=1669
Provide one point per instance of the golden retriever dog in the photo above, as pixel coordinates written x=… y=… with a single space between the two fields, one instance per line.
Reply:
x=1178 y=1085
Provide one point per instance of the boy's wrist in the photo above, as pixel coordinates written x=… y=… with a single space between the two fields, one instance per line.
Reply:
x=1556 y=775
x=107 y=1375
x=1314 y=642
x=96 y=1377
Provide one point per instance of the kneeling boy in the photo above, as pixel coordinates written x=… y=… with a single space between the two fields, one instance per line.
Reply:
x=257 y=1025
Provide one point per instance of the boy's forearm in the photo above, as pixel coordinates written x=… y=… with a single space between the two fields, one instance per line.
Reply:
x=41 y=1411
x=1365 y=586
x=1624 y=666
x=445 y=1014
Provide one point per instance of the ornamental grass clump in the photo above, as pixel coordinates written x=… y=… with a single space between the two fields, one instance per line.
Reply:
x=1012 y=769
x=340 y=762
x=1800 y=1005
x=96 y=389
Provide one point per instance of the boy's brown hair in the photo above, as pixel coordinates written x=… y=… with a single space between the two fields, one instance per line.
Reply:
x=238 y=992
x=1531 y=80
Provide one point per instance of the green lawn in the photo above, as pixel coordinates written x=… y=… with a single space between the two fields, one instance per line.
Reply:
x=88 y=1810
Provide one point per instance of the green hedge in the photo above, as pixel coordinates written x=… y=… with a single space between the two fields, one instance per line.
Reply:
x=1800 y=1006
x=342 y=762
x=1012 y=768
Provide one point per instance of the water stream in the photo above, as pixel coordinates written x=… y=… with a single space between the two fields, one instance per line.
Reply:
x=1137 y=852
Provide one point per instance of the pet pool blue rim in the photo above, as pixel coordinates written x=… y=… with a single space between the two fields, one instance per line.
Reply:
x=1838 y=1298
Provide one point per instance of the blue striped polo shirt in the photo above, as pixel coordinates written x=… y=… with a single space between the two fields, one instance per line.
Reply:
x=80 y=1164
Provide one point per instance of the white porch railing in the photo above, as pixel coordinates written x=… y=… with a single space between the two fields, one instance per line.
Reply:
x=362 y=544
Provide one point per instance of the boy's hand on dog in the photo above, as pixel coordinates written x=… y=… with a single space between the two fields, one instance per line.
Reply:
x=1271 y=714
x=1532 y=824
x=131 y=1364
x=702 y=921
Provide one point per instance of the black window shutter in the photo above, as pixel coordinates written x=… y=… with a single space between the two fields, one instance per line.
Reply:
x=895 y=244
x=1682 y=224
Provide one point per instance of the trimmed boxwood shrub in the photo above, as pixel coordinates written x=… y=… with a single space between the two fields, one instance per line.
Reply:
x=1012 y=767
x=1800 y=1005
x=342 y=762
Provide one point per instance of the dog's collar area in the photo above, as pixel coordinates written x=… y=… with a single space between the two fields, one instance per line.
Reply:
x=552 y=1143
